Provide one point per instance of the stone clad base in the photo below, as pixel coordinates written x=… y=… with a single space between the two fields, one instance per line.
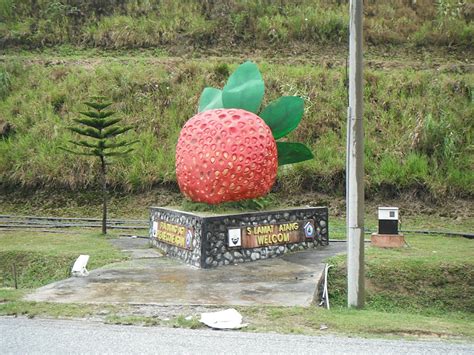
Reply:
x=206 y=241
x=387 y=240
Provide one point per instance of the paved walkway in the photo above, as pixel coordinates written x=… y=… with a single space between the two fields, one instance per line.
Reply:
x=149 y=278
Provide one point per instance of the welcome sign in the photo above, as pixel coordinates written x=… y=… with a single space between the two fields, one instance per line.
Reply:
x=272 y=234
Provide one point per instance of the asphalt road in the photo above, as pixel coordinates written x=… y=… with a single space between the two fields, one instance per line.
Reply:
x=39 y=336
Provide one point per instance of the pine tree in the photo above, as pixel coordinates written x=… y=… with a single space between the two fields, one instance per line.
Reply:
x=100 y=131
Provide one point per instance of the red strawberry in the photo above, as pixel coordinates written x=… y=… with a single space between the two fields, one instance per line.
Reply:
x=226 y=155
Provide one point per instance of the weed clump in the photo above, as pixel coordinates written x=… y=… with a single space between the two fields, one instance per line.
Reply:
x=5 y=83
x=143 y=24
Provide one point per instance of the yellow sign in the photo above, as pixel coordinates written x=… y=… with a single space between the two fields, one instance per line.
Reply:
x=173 y=234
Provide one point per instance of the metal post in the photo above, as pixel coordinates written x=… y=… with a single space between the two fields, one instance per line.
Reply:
x=355 y=163
x=15 y=277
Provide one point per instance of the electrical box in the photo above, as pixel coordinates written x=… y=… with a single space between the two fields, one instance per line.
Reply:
x=388 y=220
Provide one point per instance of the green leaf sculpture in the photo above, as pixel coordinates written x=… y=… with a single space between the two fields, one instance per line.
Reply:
x=210 y=98
x=290 y=153
x=283 y=115
x=244 y=88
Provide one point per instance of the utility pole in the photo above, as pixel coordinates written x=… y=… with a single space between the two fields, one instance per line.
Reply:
x=355 y=162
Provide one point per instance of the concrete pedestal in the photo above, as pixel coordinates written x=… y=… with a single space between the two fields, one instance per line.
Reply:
x=207 y=241
x=387 y=240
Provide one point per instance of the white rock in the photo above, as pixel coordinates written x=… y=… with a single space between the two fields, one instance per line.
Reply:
x=228 y=319
x=79 y=267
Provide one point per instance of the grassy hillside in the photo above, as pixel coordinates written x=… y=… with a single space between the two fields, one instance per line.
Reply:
x=419 y=85
x=418 y=122
x=249 y=23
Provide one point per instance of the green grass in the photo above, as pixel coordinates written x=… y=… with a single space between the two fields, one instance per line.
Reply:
x=294 y=320
x=298 y=320
x=132 y=320
x=417 y=292
x=43 y=258
x=287 y=320
x=254 y=23
x=86 y=203
x=457 y=224
x=11 y=304
x=453 y=216
x=184 y=322
x=418 y=126
x=433 y=275
x=418 y=111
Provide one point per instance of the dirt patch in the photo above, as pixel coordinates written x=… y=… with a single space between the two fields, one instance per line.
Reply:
x=123 y=205
x=459 y=209
x=417 y=333
x=167 y=312
x=327 y=56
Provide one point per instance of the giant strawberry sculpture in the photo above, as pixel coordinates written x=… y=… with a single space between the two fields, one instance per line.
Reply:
x=228 y=153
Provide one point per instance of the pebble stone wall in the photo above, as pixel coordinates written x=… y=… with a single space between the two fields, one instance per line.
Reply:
x=210 y=245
